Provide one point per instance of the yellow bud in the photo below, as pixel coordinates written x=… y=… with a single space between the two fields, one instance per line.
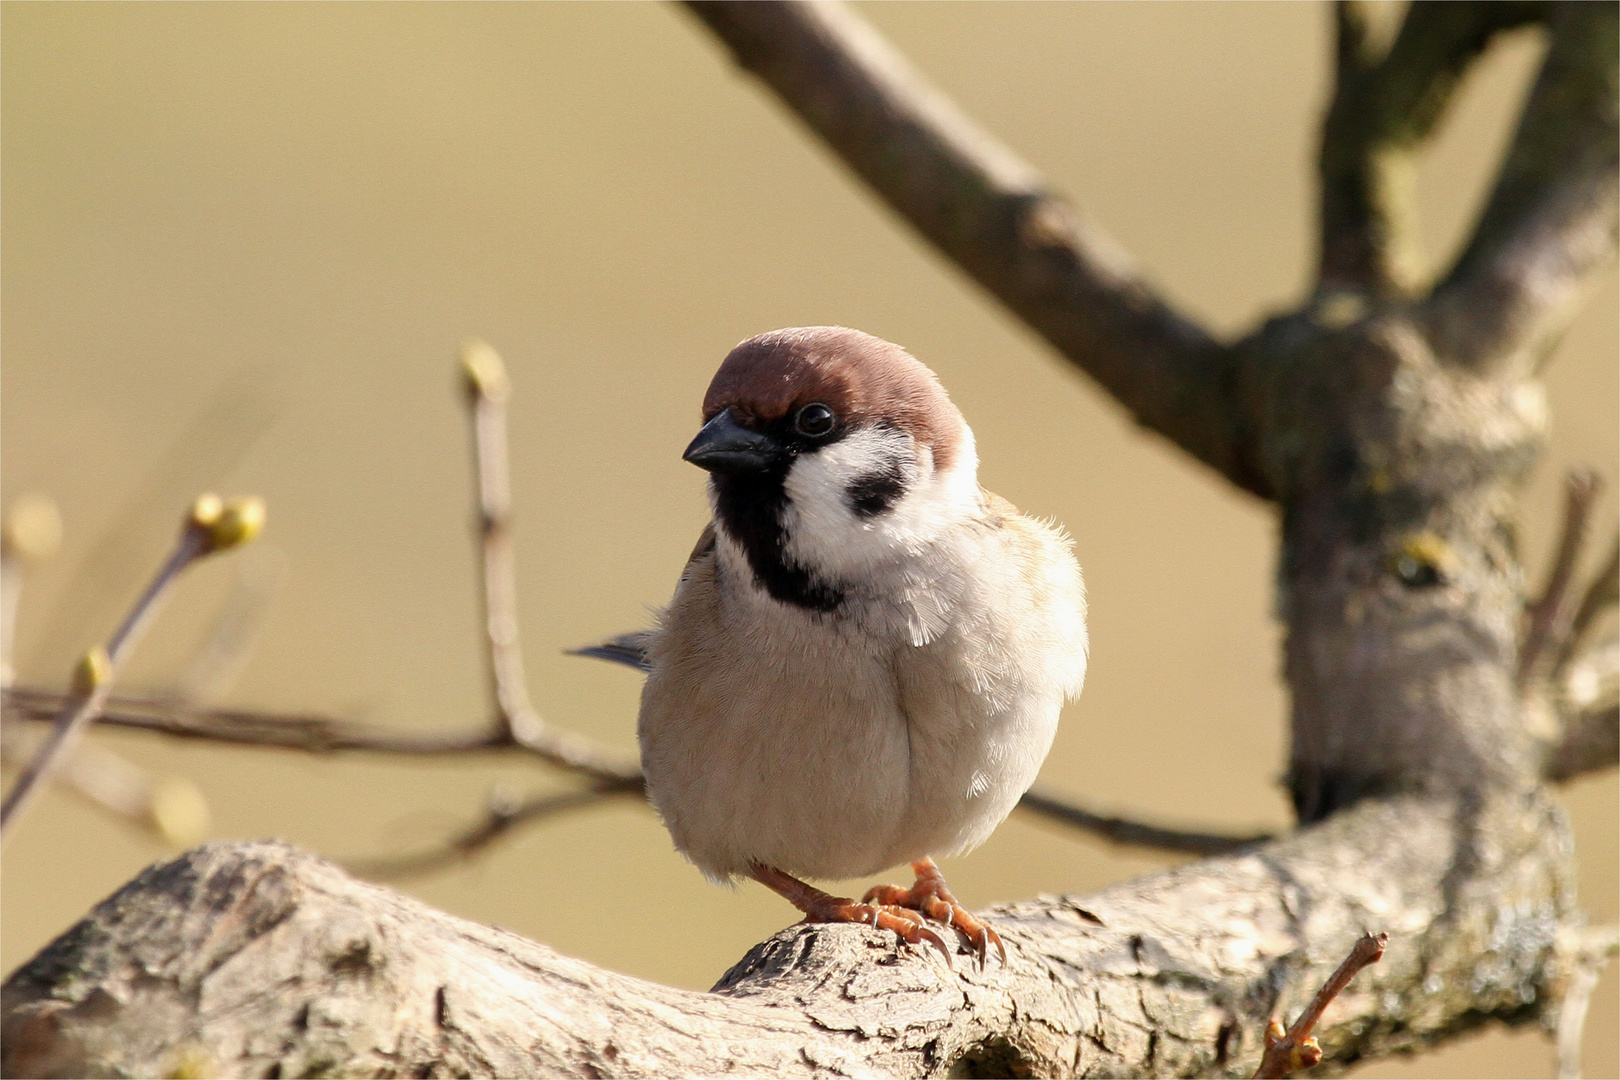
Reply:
x=33 y=528
x=206 y=510
x=238 y=522
x=482 y=368
x=179 y=811
x=93 y=669
x=1306 y=1055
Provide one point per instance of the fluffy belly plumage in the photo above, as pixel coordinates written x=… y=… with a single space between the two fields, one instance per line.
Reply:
x=808 y=758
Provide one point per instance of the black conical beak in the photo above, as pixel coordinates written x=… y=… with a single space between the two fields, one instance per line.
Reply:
x=726 y=446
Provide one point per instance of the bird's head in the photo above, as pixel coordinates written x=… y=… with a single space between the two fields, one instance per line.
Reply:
x=832 y=452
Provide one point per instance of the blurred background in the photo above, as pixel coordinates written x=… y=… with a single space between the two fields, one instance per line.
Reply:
x=243 y=242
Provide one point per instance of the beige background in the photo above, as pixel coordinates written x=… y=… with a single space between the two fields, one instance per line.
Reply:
x=243 y=241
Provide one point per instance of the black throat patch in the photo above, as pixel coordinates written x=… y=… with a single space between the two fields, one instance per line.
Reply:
x=749 y=506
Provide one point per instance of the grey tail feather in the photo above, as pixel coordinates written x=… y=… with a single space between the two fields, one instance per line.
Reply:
x=629 y=649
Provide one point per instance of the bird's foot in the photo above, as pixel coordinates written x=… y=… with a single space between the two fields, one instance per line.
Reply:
x=931 y=897
x=822 y=907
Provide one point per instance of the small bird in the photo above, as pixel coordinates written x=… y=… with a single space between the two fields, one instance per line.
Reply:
x=866 y=655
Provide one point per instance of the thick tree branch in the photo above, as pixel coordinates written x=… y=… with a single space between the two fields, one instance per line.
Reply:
x=1551 y=220
x=245 y=959
x=991 y=214
x=1383 y=107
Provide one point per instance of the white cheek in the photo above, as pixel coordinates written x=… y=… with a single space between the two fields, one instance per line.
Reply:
x=826 y=536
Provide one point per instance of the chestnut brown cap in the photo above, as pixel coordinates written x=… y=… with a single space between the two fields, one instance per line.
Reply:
x=863 y=379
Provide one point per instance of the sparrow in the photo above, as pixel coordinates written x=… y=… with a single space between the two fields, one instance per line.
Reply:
x=867 y=652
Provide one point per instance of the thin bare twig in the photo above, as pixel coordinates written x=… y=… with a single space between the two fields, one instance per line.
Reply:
x=992 y=213
x=1135 y=833
x=210 y=526
x=500 y=818
x=1601 y=595
x=1549 y=619
x=96 y=672
x=1295 y=1049
x=169 y=807
x=488 y=389
x=1590 y=953
x=163 y=714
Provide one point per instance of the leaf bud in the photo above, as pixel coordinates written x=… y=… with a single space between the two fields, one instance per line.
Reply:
x=483 y=371
x=239 y=521
x=93 y=669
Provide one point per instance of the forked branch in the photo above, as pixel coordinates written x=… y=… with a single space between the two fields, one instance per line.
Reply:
x=1384 y=106
x=1552 y=217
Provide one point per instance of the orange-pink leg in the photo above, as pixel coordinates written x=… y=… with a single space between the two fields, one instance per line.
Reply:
x=825 y=907
x=931 y=897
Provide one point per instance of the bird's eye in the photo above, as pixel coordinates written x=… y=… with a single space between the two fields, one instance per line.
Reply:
x=813 y=420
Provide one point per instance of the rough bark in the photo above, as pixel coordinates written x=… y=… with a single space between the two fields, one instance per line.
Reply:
x=253 y=959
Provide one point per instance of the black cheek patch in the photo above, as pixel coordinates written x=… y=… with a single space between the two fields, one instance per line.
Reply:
x=875 y=493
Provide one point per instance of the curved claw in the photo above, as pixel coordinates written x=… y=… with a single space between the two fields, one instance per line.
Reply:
x=911 y=929
x=931 y=897
x=990 y=938
x=823 y=907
